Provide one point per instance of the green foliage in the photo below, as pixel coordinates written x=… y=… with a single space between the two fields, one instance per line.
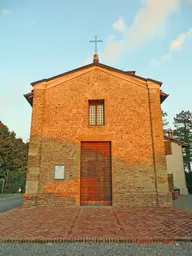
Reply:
x=16 y=180
x=189 y=181
x=183 y=132
x=13 y=159
x=165 y=122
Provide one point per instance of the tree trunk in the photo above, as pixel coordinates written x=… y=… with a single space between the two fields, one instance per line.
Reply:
x=2 y=188
x=189 y=166
x=6 y=179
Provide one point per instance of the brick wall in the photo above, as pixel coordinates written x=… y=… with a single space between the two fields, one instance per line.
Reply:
x=60 y=123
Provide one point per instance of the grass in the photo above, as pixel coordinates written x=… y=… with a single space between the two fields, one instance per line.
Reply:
x=5 y=195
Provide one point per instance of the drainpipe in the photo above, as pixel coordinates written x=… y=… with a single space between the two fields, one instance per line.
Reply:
x=153 y=150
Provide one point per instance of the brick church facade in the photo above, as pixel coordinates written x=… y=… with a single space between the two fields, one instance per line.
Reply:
x=97 y=139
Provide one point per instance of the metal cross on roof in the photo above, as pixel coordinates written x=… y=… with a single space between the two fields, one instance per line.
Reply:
x=96 y=41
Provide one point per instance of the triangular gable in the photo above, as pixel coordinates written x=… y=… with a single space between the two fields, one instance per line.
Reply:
x=52 y=81
x=127 y=73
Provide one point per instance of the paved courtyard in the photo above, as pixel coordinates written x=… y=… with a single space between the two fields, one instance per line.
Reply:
x=95 y=224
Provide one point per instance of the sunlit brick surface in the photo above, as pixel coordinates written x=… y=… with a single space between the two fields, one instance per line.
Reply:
x=60 y=121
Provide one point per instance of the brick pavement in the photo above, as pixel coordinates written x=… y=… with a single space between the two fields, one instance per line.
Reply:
x=95 y=224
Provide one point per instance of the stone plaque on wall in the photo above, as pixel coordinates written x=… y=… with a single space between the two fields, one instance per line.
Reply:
x=59 y=172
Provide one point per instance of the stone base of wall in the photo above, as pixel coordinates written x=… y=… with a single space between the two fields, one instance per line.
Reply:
x=29 y=200
x=125 y=200
x=47 y=200
x=145 y=199
x=165 y=199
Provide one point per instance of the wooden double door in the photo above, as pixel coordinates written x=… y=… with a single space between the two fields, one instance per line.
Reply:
x=96 y=180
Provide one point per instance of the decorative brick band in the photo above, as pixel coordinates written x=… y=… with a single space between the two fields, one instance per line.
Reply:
x=145 y=240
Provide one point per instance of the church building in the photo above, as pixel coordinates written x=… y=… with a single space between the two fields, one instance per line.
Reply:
x=97 y=140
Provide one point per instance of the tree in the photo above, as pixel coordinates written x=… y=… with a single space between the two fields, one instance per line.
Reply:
x=4 y=149
x=183 y=132
x=16 y=180
x=13 y=158
x=165 y=122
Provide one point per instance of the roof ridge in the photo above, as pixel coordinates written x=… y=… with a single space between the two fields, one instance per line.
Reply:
x=99 y=65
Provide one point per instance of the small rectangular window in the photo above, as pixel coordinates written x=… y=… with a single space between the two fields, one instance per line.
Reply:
x=96 y=112
x=168 y=150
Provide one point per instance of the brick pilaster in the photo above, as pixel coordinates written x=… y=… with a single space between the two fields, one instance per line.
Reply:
x=160 y=168
x=34 y=154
